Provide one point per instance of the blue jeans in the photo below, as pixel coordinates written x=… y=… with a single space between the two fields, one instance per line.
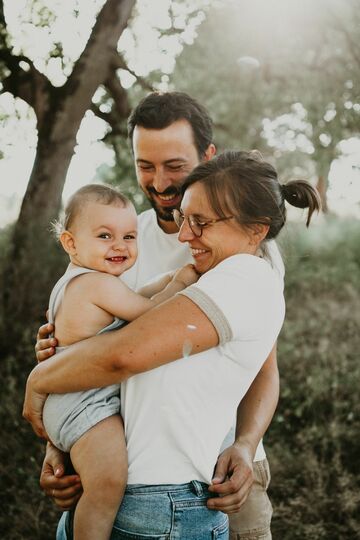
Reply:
x=165 y=512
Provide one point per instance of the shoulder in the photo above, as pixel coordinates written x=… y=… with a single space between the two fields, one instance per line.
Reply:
x=244 y=278
x=94 y=283
x=148 y=217
x=242 y=292
x=239 y=269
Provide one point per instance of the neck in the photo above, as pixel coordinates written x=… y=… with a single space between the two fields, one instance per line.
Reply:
x=169 y=227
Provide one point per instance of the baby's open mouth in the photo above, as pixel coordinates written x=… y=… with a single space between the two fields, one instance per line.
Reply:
x=116 y=259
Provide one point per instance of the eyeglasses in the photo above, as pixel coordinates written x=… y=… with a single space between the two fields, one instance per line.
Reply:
x=195 y=224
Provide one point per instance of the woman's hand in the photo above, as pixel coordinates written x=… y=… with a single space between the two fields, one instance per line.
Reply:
x=33 y=407
x=45 y=346
x=186 y=275
x=64 y=489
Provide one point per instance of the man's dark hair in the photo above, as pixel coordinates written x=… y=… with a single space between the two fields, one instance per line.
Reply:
x=159 y=110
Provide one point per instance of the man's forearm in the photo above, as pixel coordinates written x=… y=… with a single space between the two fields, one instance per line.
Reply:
x=257 y=408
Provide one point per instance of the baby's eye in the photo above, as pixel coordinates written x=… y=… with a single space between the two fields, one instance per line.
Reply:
x=106 y=236
x=130 y=237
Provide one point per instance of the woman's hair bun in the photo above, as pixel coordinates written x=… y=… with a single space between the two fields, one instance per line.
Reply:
x=301 y=194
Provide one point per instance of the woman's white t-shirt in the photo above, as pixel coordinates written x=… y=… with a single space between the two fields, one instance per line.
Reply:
x=177 y=416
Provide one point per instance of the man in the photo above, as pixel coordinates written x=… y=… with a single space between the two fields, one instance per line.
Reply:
x=170 y=134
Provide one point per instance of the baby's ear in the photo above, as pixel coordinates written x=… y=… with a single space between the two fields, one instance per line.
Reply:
x=68 y=242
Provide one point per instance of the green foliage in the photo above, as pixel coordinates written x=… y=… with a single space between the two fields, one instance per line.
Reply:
x=312 y=444
x=50 y=263
x=256 y=60
x=122 y=174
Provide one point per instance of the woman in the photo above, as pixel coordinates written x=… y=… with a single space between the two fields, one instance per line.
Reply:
x=175 y=361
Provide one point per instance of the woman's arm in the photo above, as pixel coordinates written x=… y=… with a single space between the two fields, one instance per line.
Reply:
x=155 y=338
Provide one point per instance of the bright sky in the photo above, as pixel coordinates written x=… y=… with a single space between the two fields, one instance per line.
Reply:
x=145 y=54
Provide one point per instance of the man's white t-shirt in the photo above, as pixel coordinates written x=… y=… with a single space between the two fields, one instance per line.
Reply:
x=158 y=253
x=177 y=415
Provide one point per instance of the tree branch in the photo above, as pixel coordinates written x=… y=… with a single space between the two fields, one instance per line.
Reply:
x=118 y=113
x=119 y=95
x=84 y=79
x=118 y=62
x=30 y=85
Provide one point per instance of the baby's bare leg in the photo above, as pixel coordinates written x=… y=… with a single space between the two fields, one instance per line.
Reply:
x=100 y=458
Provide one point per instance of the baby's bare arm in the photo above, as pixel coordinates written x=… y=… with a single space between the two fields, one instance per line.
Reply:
x=182 y=278
x=111 y=294
x=156 y=286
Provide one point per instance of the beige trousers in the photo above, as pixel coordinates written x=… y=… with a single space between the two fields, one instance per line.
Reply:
x=253 y=520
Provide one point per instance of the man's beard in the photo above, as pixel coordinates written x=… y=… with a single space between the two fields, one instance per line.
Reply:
x=165 y=214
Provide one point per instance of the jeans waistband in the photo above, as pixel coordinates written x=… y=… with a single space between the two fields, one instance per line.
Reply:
x=195 y=486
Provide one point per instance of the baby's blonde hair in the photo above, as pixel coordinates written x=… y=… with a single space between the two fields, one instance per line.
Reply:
x=100 y=193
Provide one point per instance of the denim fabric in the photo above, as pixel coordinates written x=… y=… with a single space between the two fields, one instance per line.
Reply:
x=165 y=512
x=65 y=526
x=168 y=512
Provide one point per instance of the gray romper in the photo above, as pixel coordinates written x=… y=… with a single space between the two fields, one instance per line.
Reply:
x=67 y=417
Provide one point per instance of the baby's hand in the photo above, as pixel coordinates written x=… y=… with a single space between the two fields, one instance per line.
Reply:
x=186 y=275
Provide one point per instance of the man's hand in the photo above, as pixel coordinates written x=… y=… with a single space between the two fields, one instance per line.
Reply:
x=33 y=407
x=64 y=489
x=45 y=346
x=232 y=480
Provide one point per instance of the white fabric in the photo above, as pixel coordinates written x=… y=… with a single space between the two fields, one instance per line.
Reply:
x=159 y=253
x=176 y=416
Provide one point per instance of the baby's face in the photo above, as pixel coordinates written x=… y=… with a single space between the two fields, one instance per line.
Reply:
x=104 y=238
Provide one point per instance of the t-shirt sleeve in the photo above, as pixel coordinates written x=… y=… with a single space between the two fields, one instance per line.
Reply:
x=242 y=297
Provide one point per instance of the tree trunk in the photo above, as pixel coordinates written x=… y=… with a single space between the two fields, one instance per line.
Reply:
x=321 y=186
x=35 y=262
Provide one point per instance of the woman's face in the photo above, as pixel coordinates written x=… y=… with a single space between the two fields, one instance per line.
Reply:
x=218 y=240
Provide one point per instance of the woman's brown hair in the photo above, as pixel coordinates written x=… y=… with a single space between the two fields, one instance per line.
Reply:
x=244 y=185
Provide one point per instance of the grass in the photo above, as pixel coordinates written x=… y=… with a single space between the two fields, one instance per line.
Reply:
x=313 y=442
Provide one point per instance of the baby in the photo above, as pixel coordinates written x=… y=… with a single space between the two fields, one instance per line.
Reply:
x=99 y=235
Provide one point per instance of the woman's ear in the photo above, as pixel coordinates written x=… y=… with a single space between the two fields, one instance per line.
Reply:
x=257 y=233
x=68 y=242
x=209 y=152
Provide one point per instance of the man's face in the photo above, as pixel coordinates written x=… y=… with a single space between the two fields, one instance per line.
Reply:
x=163 y=159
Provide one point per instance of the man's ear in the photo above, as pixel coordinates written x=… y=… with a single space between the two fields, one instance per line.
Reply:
x=257 y=233
x=68 y=242
x=210 y=152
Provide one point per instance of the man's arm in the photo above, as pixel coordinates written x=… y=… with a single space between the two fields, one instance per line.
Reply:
x=64 y=489
x=233 y=476
x=45 y=346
